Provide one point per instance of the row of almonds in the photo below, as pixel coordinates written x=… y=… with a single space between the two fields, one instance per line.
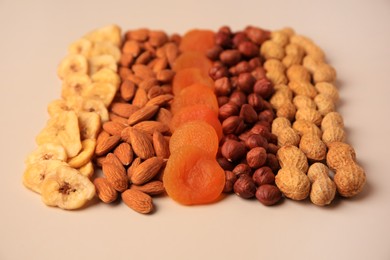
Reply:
x=60 y=168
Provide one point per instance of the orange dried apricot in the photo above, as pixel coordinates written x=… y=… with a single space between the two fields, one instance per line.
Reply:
x=193 y=177
x=196 y=133
x=197 y=40
x=186 y=77
x=193 y=95
x=196 y=112
x=191 y=59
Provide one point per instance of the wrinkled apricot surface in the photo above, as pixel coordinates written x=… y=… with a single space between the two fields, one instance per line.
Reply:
x=196 y=133
x=190 y=59
x=196 y=112
x=193 y=177
x=194 y=95
x=197 y=40
x=186 y=77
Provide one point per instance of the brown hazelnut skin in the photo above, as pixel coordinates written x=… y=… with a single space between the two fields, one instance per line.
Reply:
x=256 y=101
x=263 y=175
x=222 y=86
x=263 y=87
x=266 y=115
x=248 y=49
x=217 y=72
x=256 y=63
x=239 y=38
x=272 y=162
x=256 y=157
x=223 y=39
x=214 y=52
x=230 y=57
x=242 y=168
x=245 y=82
x=230 y=179
x=268 y=194
x=227 y=110
x=225 y=164
x=261 y=130
x=242 y=67
x=248 y=114
x=233 y=125
x=256 y=140
x=222 y=100
x=272 y=148
x=233 y=150
x=244 y=187
x=238 y=97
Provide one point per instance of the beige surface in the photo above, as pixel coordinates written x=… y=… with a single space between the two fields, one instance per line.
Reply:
x=355 y=36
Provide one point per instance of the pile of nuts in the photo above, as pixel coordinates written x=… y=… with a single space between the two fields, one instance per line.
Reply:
x=248 y=148
x=134 y=143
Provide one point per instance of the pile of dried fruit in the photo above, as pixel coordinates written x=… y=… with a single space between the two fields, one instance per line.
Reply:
x=250 y=112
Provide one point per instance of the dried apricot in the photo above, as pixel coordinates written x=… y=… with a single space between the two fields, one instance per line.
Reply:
x=192 y=59
x=196 y=112
x=193 y=177
x=196 y=133
x=186 y=77
x=193 y=95
x=197 y=40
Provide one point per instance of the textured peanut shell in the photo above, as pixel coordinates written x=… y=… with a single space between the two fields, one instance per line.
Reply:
x=281 y=96
x=294 y=55
x=279 y=124
x=309 y=46
x=306 y=127
x=310 y=115
x=317 y=170
x=323 y=191
x=301 y=101
x=303 y=88
x=288 y=136
x=333 y=134
x=287 y=110
x=332 y=119
x=324 y=73
x=280 y=37
x=324 y=104
x=272 y=50
x=339 y=155
x=293 y=183
x=298 y=73
x=275 y=71
x=329 y=90
x=350 y=180
x=313 y=147
x=292 y=156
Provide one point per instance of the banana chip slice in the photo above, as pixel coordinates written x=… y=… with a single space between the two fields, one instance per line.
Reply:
x=110 y=33
x=63 y=128
x=81 y=46
x=75 y=85
x=97 y=63
x=72 y=64
x=37 y=172
x=107 y=76
x=85 y=155
x=96 y=105
x=48 y=151
x=89 y=124
x=87 y=170
x=103 y=91
x=106 y=48
x=67 y=189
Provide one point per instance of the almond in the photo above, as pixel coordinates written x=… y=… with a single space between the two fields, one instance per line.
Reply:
x=105 y=190
x=146 y=170
x=142 y=71
x=119 y=119
x=134 y=164
x=161 y=145
x=148 y=83
x=151 y=126
x=106 y=144
x=171 y=52
x=124 y=153
x=115 y=173
x=123 y=109
x=164 y=116
x=143 y=114
x=141 y=98
x=133 y=78
x=141 y=143
x=113 y=128
x=138 y=201
x=165 y=75
x=160 y=100
x=154 y=92
x=127 y=90
x=160 y=64
x=152 y=188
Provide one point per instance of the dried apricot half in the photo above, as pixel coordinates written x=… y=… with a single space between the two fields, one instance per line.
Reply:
x=197 y=40
x=186 y=77
x=192 y=59
x=196 y=133
x=193 y=177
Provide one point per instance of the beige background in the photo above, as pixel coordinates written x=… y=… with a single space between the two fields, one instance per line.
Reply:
x=354 y=34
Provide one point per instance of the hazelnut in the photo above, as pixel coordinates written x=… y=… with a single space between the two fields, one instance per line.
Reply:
x=272 y=162
x=238 y=97
x=244 y=187
x=225 y=164
x=233 y=125
x=233 y=150
x=272 y=148
x=230 y=57
x=223 y=39
x=242 y=168
x=217 y=72
x=230 y=179
x=239 y=38
x=266 y=115
x=256 y=140
x=268 y=194
x=256 y=63
x=242 y=67
x=222 y=100
x=214 y=52
x=263 y=175
x=261 y=130
x=222 y=86
x=228 y=110
x=263 y=87
x=248 y=49
x=256 y=157
x=248 y=113
x=257 y=35
x=245 y=82
x=225 y=29
x=244 y=136
x=256 y=101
